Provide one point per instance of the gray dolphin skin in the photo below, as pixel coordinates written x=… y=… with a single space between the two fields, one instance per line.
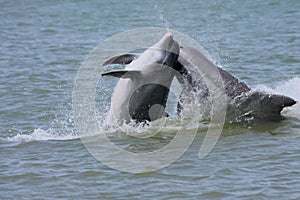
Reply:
x=141 y=93
x=243 y=104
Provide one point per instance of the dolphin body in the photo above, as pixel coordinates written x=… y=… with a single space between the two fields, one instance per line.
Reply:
x=142 y=91
x=243 y=104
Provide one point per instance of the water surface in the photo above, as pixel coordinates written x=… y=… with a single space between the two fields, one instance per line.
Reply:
x=43 y=44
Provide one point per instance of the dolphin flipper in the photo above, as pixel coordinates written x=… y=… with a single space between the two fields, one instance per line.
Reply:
x=124 y=59
x=122 y=73
x=127 y=58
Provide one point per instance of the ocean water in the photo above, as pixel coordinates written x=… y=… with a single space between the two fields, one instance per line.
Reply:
x=43 y=44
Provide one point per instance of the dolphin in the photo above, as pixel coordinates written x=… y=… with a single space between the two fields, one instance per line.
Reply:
x=243 y=103
x=142 y=90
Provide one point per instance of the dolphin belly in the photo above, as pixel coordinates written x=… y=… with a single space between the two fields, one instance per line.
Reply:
x=140 y=103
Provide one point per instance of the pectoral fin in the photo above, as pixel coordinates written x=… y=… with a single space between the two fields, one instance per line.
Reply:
x=122 y=73
x=125 y=58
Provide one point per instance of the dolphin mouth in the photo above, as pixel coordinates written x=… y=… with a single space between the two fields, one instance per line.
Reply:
x=169 y=49
x=172 y=51
x=168 y=36
x=169 y=40
x=166 y=43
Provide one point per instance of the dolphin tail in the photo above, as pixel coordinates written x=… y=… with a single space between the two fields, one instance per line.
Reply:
x=124 y=59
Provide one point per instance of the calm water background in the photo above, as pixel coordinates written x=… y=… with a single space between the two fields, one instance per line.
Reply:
x=42 y=46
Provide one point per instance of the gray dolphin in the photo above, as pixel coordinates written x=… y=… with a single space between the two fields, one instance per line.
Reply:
x=142 y=91
x=243 y=104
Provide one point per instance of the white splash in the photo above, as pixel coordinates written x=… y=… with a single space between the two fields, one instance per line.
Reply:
x=162 y=17
x=41 y=135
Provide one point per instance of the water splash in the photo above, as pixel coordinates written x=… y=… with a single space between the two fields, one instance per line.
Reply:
x=61 y=128
x=41 y=135
x=162 y=17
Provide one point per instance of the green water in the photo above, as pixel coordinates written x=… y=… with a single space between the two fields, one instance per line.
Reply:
x=43 y=44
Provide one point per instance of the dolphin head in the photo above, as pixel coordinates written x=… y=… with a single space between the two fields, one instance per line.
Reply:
x=169 y=48
x=163 y=52
x=265 y=106
x=148 y=101
x=167 y=43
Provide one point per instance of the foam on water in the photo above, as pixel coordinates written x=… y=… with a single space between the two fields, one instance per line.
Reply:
x=41 y=135
x=132 y=129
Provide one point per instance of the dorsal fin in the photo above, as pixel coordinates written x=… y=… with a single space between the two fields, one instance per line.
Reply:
x=124 y=59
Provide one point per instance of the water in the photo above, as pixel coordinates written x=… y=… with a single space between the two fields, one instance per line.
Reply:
x=42 y=47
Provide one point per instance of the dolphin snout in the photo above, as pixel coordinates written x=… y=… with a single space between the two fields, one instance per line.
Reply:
x=167 y=40
x=169 y=35
x=167 y=43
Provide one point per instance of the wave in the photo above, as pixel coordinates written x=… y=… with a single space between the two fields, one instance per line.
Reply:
x=167 y=126
x=41 y=135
